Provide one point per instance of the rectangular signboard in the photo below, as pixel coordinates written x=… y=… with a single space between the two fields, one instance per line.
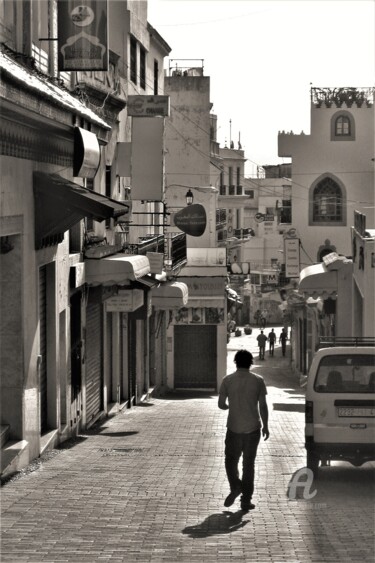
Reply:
x=82 y=35
x=292 y=265
x=127 y=301
x=148 y=106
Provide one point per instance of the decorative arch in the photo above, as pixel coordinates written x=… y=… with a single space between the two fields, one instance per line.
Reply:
x=327 y=202
x=342 y=126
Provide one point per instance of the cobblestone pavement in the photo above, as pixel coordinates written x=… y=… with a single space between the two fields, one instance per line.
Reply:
x=149 y=485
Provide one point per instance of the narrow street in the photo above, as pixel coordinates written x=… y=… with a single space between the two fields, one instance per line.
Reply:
x=149 y=485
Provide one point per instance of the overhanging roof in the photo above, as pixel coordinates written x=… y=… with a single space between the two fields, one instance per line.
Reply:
x=60 y=204
x=118 y=269
x=170 y=295
x=318 y=281
x=43 y=87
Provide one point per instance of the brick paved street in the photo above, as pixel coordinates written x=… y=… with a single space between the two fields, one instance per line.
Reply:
x=149 y=485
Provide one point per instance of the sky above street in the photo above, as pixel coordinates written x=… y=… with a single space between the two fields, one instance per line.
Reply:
x=263 y=56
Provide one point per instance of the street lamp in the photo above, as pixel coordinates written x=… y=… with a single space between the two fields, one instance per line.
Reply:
x=189 y=197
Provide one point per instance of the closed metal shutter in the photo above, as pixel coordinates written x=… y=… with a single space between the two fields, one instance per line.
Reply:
x=132 y=359
x=94 y=365
x=111 y=390
x=43 y=347
x=195 y=357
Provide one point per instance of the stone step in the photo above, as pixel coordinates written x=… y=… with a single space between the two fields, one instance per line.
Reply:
x=14 y=456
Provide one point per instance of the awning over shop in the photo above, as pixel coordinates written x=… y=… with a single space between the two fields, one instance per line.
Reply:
x=60 y=204
x=318 y=281
x=118 y=269
x=170 y=295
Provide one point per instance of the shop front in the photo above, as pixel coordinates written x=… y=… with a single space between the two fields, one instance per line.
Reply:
x=197 y=336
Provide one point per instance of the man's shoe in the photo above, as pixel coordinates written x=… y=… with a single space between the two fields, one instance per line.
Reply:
x=246 y=506
x=232 y=497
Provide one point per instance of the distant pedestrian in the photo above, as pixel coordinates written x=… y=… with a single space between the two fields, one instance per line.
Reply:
x=263 y=318
x=282 y=339
x=248 y=416
x=262 y=339
x=272 y=340
x=257 y=316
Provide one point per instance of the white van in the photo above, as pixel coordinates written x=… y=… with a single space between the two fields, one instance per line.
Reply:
x=340 y=403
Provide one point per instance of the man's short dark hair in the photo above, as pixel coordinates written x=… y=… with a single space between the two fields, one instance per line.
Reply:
x=243 y=359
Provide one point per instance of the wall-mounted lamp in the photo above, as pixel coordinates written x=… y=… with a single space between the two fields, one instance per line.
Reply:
x=189 y=197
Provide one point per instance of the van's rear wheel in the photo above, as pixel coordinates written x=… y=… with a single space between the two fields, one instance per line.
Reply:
x=312 y=462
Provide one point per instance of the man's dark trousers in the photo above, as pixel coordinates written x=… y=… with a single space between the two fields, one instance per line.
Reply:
x=235 y=445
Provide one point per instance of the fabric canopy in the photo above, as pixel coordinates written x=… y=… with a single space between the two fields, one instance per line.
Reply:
x=318 y=281
x=118 y=269
x=60 y=204
x=170 y=295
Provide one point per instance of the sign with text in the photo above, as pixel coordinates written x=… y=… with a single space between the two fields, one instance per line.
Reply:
x=191 y=220
x=82 y=35
x=148 y=106
x=126 y=301
x=292 y=265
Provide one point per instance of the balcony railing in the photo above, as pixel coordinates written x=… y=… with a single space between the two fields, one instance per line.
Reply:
x=231 y=190
x=178 y=250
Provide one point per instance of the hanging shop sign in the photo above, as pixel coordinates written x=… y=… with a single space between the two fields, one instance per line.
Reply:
x=126 y=301
x=191 y=220
x=260 y=217
x=148 y=106
x=82 y=35
x=156 y=260
x=86 y=154
x=292 y=259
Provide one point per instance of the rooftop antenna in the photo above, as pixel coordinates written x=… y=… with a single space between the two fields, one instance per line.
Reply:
x=230 y=134
x=239 y=141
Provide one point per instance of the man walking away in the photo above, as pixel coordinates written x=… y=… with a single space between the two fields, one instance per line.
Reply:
x=262 y=339
x=248 y=416
x=272 y=340
x=282 y=339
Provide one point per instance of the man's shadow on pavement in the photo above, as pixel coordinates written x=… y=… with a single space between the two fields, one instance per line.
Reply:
x=222 y=523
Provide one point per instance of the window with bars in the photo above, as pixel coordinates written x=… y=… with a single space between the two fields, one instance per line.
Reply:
x=327 y=202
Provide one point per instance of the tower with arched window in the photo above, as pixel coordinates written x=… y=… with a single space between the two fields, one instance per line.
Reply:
x=333 y=170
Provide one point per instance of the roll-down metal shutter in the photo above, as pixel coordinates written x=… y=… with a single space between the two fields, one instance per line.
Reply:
x=195 y=357
x=43 y=347
x=94 y=364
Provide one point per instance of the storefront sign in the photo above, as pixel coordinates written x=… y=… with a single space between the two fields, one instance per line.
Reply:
x=292 y=265
x=191 y=220
x=126 y=301
x=200 y=287
x=148 y=106
x=86 y=154
x=82 y=35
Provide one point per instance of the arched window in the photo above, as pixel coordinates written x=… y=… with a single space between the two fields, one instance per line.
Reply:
x=327 y=202
x=342 y=126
